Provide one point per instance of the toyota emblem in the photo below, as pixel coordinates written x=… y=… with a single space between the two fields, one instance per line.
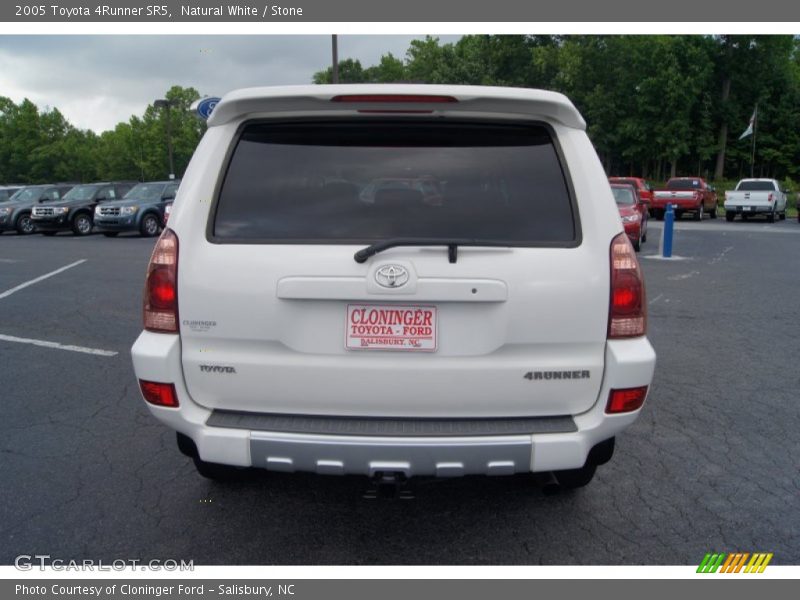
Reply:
x=391 y=276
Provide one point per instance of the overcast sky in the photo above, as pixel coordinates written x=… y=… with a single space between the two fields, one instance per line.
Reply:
x=98 y=81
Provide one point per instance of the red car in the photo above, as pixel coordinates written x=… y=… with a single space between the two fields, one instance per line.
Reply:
x=641 y=185
x=686 y=194
x=632 y=211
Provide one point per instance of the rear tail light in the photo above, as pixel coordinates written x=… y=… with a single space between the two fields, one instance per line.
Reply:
x=769 y=198
x=160 y=394
x=627 y=313
x=161 y=286
x=627 y=400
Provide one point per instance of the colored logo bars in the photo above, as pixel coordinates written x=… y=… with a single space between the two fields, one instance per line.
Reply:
x=735 y=562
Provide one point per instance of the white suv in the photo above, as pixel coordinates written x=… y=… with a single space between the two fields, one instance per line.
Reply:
x=395 y=280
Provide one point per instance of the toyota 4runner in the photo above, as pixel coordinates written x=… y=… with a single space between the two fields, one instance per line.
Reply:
x=301 y=316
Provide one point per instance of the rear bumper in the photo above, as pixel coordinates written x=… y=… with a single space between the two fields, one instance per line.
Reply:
x=749 y=208
x=629 y=363
x=677 y=204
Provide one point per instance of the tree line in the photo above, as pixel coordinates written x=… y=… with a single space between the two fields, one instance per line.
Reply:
x=41 y=146
x=656 y=105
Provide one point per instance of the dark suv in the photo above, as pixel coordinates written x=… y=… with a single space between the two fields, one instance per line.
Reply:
x=142 y=209
x=15 y=213
x=75 y=211
x=7 y=191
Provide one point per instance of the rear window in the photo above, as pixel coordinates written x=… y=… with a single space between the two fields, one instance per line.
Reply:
x=756 y=186
x=361 y=182
x=684 y=184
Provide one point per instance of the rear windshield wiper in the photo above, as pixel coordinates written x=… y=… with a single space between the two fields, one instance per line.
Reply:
x=452 y=245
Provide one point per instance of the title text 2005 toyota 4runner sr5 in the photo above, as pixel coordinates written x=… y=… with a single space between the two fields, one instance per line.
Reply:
x=494 y=324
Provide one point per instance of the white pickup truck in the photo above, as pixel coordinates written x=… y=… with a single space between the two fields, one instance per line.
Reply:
x=756 y=196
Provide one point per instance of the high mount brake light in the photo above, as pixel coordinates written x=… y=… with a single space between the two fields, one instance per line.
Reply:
x=161 y=286
x=627 y=313
x=394 y=98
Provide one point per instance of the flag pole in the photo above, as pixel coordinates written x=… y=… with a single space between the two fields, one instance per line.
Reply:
x=753 y=155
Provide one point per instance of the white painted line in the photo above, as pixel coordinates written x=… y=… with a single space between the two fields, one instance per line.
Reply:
x=659 y=257
x=22 y=286
x=654 y=300
x=683 y=276
x=56 y=345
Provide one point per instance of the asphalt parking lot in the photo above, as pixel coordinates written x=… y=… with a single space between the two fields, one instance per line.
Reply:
x=711 y=465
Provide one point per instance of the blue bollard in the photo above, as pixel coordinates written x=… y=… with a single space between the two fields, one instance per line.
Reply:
x=669 y=222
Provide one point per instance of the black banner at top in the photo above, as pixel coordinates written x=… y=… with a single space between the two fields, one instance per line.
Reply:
x=444 y=11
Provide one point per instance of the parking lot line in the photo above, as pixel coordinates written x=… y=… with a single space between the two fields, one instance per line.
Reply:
x=22 y=286
x=57 y=346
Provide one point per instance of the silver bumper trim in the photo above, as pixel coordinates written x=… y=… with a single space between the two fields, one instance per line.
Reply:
x=343 y=455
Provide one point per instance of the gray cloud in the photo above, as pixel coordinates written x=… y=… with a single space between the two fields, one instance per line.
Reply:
x=98 y=81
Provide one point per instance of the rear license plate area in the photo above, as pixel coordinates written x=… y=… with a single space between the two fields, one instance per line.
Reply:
x=401 y=327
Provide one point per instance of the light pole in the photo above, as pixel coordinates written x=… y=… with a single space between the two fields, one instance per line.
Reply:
x=167 y=104
x=335 y=58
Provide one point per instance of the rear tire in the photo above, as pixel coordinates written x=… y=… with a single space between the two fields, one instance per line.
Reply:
x=713 y=213
x=698 y=215
x=783 y=216
x=217 y=472
x=208 y=470
x=730 y=216
x=771 y=217
x=576 y=478
x=658 y=214
x=149 y=226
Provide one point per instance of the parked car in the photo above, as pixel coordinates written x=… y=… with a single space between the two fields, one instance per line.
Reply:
x=501 y=332
x=75 y=210
x=7 y=191
x=167 y=211
x=686 y=194
x=756 y=197
x=141 y=209
x=643 y=188
x=632 y=212
x=15 y=213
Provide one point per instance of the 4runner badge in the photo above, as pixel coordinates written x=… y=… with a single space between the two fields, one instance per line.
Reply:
x=391 y=276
